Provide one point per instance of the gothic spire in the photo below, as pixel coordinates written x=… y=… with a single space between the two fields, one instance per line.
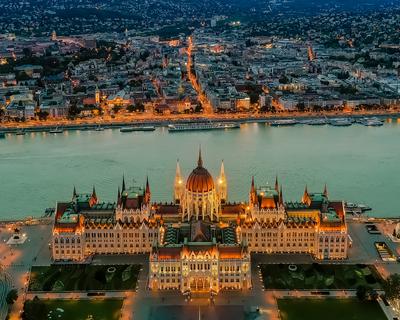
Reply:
x=200 y=161
x=94 y=195
x=222 y=171
x=276 y=184
x=305 y=195
x=123 y=183
x=326 y=191
x=178 y=170
x=74 y=194
x=281 y=196
x=147 y=185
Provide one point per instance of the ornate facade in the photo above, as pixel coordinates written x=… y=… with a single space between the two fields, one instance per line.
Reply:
x=200 y=241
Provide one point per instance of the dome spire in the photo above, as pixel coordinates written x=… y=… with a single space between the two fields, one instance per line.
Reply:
x=200 y=161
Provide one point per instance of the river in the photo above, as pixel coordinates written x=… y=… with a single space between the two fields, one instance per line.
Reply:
x=359 y=164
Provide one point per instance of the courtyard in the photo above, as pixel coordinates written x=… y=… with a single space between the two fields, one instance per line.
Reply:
x=318 y=276
x=81 y=277
x=104 y=309
x=329 y=309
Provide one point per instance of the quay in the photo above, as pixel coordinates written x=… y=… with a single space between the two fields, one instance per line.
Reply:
x=165 y=121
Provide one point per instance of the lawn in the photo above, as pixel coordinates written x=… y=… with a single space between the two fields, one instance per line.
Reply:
x=329 y=309
x=318 y=276
x=106 y=309
x=82 y=277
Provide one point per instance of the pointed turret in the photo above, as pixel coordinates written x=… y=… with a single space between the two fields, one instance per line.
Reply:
x=200 y=160
x=178 y=183
x=119 y=199
x=94 y=195
x=74 y=194
x=281 y=197
x=252 y=189
x=326 y=191
x=305 y=197
x=222 y=171
x=253 y=193
x=276 y=184
x=123 y=183
x=147 y=194
x=93 y=198
x=222 y=184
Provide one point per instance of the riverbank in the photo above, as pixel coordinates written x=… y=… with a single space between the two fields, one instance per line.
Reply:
x=160 y=121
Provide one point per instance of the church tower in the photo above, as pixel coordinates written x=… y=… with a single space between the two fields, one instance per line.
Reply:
x=179 y=186
x=222 y=184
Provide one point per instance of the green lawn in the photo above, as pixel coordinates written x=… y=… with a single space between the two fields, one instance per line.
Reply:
x=106 y=309
x=329 y=309
x=318 y=276
x=80 y=277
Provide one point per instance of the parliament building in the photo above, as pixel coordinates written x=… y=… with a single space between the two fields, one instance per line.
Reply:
x=200 y=241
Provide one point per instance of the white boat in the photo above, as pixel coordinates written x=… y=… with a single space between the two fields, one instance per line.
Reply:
x=340 y=122
x=371 y=122
x=20 y=132
x=283 y=122
x=138 y=128
x=56 y=130
x=316 y=122
x=203 y=126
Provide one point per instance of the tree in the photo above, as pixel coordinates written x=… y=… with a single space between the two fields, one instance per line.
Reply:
x=391 y=286
x=12 y=296
x=42 y=115
x=362 y=292
x=283 y=79
x=34 y=309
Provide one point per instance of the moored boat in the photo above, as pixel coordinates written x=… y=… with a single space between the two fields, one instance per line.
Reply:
x=202 y=126
x=340 y=122
x=20 y=132
x=316 y=122
x=283 y=122
x=142 y=128
x=371 y=122
x=56 y=130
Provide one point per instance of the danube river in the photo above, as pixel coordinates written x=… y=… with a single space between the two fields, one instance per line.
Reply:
x=359 y=164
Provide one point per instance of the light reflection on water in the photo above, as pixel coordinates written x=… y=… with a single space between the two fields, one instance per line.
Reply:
x=359 y=164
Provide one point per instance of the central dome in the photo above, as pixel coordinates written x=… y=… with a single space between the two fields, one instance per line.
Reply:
x=200 y=180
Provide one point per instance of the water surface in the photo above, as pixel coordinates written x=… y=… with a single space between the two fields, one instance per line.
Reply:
x=359 y=164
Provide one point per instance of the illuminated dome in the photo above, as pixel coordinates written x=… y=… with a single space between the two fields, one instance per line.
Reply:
x=200 y=180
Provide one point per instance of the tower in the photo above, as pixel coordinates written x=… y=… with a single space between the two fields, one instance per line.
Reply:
x=53 y=36
x=253 y=193
x=281 y=197
x=97 y=95
x=326 y=191
x=179 y=186
x=147 y=193
x=93 y=199
x=74 y=194
x=222 y=184
x=306 y=198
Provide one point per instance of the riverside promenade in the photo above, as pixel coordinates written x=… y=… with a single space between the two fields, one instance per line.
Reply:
x=164 y=120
